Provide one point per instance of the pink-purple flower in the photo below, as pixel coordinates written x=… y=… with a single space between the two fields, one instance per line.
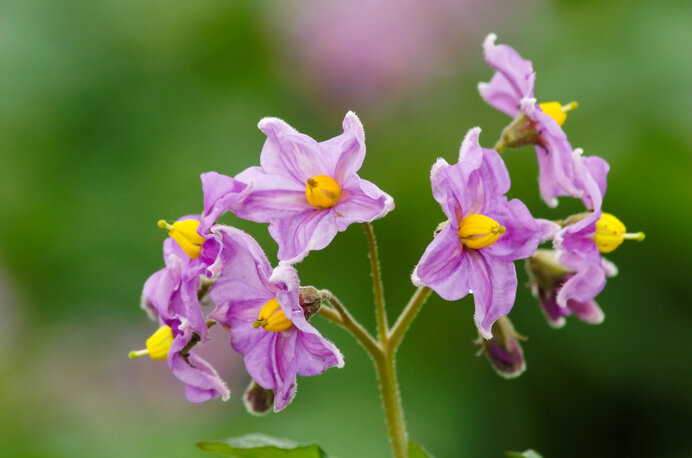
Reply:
x=192 y=253
x=307 y=190
x=511 y=90
x=170 y=296
x=485 y=233
x=268 y=326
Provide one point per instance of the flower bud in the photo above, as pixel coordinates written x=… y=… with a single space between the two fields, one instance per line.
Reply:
x=503 y=349
x=310 y=300
x=257 y=400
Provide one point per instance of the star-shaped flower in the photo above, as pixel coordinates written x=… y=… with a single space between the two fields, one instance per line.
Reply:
x=307 y=190
x=268 y=326
x=485 y=233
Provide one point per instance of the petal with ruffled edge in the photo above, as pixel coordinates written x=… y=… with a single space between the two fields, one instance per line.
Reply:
x=494 y=285
x=444 y=267
x=513 y=80
x=221 y=193
x=592 y=173
x=201 y=380
x=347 y=149
x=289 y=153
x=301 y=233
x=586 y=283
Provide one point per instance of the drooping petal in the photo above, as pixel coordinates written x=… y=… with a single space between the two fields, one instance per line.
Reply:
x=444 y=267
x=201 y=380
x=221 y=193
x=588 y=311
x=591 y=173
x=290 y=153
x=494 y=285
x=587 y=282
x=513 y=80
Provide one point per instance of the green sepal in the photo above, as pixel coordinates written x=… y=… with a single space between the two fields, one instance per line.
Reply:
x=261 y=446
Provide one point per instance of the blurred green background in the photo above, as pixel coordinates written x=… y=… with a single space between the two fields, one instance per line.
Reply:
x=110 y=110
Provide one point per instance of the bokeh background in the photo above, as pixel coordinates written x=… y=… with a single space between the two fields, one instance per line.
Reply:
x=110 y=110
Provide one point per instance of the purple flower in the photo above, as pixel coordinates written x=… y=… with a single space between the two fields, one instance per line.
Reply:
x=510 y=90
x=503 y=350
x=548 y=276
x=485 y=233
x=579 y=246
x=268 y=326
x=193 y=252
x=170 y=296
x=307 y=190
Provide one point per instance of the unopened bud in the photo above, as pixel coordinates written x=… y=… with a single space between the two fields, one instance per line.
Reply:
x=310 y=300
x=503 y=349
x=258 y=401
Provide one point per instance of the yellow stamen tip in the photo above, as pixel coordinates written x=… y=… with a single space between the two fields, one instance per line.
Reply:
x=163 y=224
x=611 y=232
x=479 y=231
x=322 y=191
x=138 y=353
x=570 y=106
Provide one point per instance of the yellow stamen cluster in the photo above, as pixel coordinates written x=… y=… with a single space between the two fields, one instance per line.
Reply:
x=272 y=318
x=611 y=232
x=185 y=233
x=557 y=111
x=158 y=345
x=479 y=231
x=322 y=191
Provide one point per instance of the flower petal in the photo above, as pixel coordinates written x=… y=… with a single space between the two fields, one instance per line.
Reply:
x=290 y=153
x=221 y=193
x=301 y=233
x=362 y=202
x=444 y=267
x=347 y=149
x=513 y=80
x=522 y=232
x=494 y=285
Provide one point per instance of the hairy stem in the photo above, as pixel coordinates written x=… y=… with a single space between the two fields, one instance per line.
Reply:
x=341 y=316
x=391 y=402
x=380 y=312
x=407 y=316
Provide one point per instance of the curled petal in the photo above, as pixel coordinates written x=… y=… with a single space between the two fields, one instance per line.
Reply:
x=221 y=193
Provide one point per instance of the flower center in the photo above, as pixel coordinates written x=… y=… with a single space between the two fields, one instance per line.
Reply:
x=558 y=111
x=610 y=233
x=185 y=233
x=158 y=345
x=322 y=191
x=272 y=318
x=479 y=231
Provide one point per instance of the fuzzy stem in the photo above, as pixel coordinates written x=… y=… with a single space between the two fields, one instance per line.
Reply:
x=342 y=317
x=391 y=403
x=406 y=318
x=380 y=312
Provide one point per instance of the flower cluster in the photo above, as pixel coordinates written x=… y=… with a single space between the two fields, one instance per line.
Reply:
x=308 y=191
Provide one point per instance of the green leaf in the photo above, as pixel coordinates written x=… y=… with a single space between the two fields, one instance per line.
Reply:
x=530 y=453
x=261 y=446
x=416 y=451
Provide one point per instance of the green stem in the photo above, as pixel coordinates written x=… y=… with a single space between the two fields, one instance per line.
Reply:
x=380 y=312
x=391 y=402
x=341 y=317
x=406 y=318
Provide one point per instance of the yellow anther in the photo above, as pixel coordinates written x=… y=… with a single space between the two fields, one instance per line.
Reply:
x=322 y=191
x=185 y=233
x=610 y=232
x=158 y=345
x=272 y=318
x=479 y=231
x=557 y=111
